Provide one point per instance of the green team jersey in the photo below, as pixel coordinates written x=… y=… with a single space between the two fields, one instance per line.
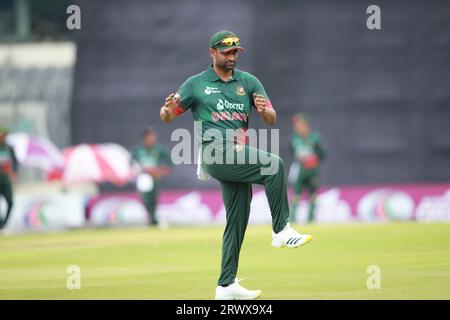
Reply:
x=8 y=160
x=308 y=151
x=151 y=157
x=219 y=105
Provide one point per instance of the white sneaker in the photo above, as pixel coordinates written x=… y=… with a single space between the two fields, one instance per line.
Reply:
x=290 y=238
x=236 y=292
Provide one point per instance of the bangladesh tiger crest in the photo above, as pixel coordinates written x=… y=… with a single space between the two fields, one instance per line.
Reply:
x=240 y=91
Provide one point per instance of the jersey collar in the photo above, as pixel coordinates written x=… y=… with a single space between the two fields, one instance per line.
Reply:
x=211 y=75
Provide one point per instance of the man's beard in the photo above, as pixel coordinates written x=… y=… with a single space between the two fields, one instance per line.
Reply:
x=226 y=66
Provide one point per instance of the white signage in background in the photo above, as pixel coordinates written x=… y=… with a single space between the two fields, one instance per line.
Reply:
x=434 y=208
x=46 y=212
x=384 y=205
x=259 y=211
x=330 y=208
x=38 y=55
x=3 y=207
x=122 y=210
x=186 y=210
x=117 y=210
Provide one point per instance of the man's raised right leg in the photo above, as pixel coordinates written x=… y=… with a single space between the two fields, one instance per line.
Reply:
x=253 y=166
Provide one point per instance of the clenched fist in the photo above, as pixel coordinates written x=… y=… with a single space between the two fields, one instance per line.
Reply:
x=260 y=102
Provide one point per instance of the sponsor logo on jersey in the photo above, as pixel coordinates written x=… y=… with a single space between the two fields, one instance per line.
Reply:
x=209 y=90
x=229 y=105
x=217 y=116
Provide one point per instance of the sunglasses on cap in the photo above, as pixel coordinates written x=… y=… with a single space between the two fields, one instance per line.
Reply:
x=234 y=41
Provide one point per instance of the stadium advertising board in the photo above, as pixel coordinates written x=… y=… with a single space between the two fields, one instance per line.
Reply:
x=421 y=202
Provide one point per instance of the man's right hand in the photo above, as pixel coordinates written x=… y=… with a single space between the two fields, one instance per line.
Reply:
x=168 y=110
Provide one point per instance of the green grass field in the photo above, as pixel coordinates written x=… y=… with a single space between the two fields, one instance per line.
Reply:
x=183 y=263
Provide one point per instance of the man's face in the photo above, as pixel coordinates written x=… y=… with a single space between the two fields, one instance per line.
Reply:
x=225 y=61
x=2 y=138
x=302 y=127
x=150 y=139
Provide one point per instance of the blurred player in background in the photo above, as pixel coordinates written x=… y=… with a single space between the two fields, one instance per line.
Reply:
x=8 y=169
x=155 y=163
x=221 y=99
x=308 y=148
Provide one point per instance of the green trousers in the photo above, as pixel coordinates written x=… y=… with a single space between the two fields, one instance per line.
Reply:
x=236 y=181
x=307 y=179
x=6 y=192
x=150 y=200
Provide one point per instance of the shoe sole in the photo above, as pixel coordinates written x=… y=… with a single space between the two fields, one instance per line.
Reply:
x=307 y=240
x=240 y=298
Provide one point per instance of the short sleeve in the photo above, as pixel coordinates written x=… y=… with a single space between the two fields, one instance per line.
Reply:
x=186 y=95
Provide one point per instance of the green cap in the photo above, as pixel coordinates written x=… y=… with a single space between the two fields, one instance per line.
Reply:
x=218 y=37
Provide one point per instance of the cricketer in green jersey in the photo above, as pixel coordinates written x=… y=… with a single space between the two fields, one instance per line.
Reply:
x=221 y=98
x=155 y=163
x=308 y=149
x=8 y=169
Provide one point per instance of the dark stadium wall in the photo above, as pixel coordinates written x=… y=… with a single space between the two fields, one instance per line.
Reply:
x=380 y=97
